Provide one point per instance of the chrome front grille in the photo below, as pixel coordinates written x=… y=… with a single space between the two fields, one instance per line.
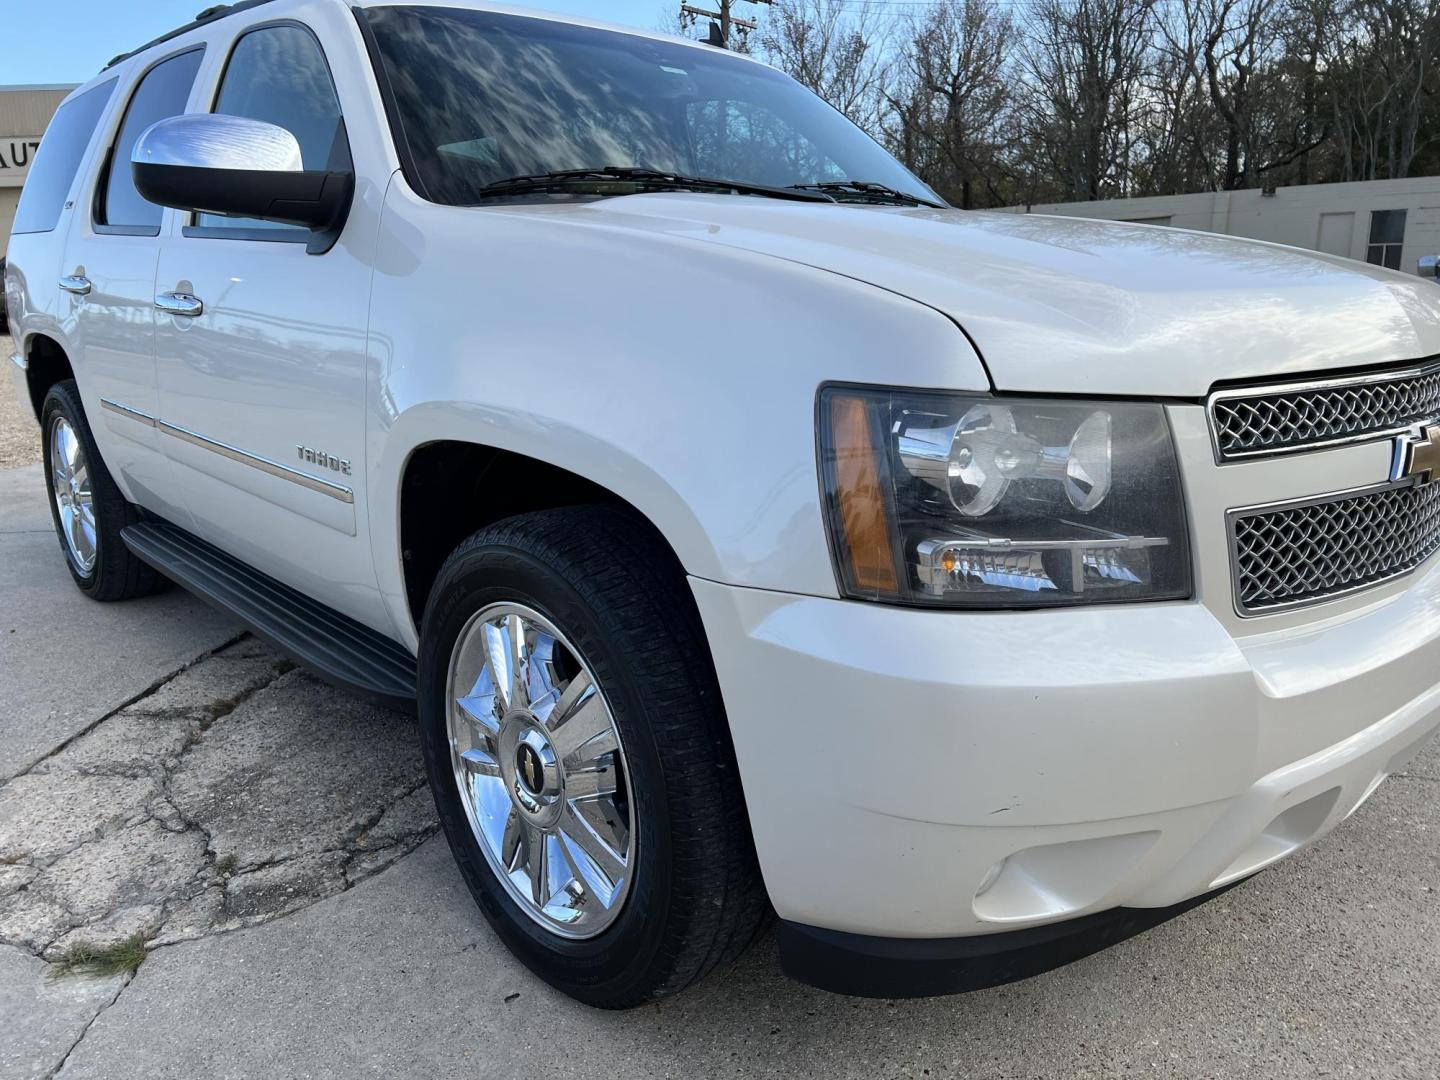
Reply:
x=1305 y=416
x=1304 y=552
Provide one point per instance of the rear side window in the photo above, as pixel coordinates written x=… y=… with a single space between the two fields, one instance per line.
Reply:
x=162 y=93
x=61 y=149
x=278 y=74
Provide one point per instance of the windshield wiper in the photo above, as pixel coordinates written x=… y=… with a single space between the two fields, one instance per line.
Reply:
x=868 y=191
x=638 y=179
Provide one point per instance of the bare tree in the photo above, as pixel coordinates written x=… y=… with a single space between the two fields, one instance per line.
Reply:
x=951 y=97
x=993 y=101
x=1306 y=26
x=1177 y=125
x=836 y=50
x=1383 y=55
x=1252 y=89
x=1084 y=61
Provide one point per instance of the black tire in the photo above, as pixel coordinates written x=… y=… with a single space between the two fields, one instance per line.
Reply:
x=116 y=573
x=615 y=591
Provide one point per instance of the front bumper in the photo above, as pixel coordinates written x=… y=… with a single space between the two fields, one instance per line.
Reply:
x=861 y=965
x=936 y=775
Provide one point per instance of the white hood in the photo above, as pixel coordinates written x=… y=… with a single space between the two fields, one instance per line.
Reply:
x=1068 y=305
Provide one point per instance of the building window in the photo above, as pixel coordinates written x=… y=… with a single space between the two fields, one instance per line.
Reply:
x=1387 y=235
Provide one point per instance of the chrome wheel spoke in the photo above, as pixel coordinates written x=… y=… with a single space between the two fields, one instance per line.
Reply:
x=593 y=782
x=69 y=448
x=537 y=865
x=536 y=686
x=601 y=867
x=518 y=691
x=479 y=763
x=83 y=538
x=505 y=659
x=479 y=709
x=512 y=843
x=588 y=723
x=497 y=660
x=579 y=686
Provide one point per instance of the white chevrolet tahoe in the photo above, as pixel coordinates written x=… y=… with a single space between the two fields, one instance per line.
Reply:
x=748 y=528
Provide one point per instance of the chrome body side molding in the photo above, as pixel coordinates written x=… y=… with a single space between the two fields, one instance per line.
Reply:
x=127 y=412
x=314 y=483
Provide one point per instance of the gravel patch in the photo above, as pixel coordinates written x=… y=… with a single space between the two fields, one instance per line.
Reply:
x=19 y=434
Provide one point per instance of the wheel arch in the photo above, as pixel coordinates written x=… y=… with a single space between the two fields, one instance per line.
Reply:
x=47 y=363
x=488 y=483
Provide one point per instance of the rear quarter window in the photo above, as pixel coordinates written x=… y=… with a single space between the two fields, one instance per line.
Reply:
x=62 y=148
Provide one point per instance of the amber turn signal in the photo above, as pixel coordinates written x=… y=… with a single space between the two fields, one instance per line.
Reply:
x=865 y=529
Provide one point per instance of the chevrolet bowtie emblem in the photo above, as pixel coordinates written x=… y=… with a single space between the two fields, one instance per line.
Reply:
x=1417 y=455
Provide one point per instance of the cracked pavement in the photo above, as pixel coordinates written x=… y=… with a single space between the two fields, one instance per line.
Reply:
x=271 y=840
x=237 y=791
x=187 y=787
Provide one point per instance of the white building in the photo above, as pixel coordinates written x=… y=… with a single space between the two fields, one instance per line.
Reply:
x=1388 y=222
x=25 y=112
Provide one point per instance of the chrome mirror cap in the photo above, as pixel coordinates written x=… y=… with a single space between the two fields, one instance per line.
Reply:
x=216 y=141
x=1428 y=266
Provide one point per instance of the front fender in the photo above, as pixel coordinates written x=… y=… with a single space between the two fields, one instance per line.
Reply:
x=564 y=446
x=679 y=374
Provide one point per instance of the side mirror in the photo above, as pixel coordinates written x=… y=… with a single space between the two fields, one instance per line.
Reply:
x=1429 y=266
x=216 y=164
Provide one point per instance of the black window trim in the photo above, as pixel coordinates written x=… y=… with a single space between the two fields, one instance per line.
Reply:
x=243 y=232
x=102 y=177
x=394 y=121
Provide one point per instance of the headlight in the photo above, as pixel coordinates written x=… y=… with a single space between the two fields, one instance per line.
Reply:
x=974 y=501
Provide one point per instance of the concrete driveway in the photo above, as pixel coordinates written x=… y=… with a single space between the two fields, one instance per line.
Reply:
x=272 y=841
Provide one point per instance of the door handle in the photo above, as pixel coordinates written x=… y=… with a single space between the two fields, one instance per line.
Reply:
x=78 y=284
x=179 y=303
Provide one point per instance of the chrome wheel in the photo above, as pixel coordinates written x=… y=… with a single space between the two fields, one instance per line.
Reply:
x=541 y=771
x=74 y=501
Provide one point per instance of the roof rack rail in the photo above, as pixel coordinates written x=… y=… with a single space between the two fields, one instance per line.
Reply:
x=209 y=15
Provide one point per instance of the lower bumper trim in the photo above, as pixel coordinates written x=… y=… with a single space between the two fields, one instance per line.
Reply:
x=863 y=966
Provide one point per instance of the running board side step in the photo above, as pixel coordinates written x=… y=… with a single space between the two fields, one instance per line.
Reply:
x=331 y=645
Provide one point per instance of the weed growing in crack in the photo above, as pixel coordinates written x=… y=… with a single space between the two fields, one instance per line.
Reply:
x=123 y=957
x=226 y=866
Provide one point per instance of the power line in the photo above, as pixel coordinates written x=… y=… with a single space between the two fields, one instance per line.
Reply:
x=723 y=23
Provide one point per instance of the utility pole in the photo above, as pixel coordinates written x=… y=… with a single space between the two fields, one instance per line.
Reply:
x=723 y=23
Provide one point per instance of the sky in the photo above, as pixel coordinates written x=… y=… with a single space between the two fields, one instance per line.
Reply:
x=67 y=41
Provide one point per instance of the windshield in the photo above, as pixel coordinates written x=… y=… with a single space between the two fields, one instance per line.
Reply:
x=483 y=96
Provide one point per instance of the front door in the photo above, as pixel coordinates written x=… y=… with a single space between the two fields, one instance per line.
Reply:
x=110 y=259
x=260 y=349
